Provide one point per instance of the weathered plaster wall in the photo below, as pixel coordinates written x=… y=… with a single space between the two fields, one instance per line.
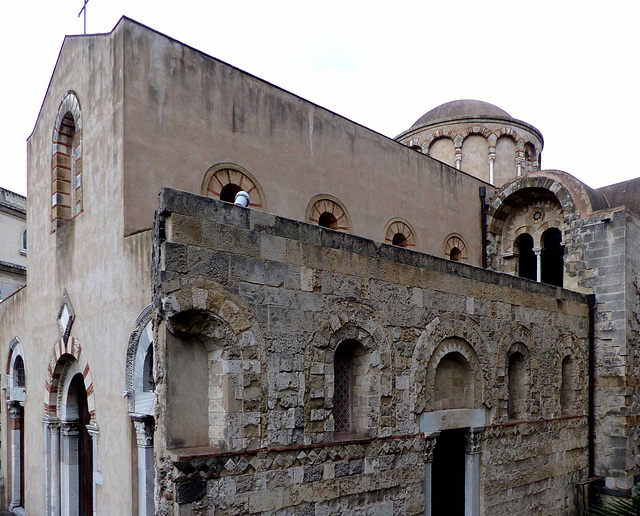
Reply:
x=269 y=299
x=105 y=275
x=186 y=112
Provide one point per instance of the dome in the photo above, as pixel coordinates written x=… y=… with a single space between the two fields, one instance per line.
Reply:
x=461 y=109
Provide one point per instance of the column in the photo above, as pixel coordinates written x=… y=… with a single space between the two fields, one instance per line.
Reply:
x=538 y=251
x=15 y=412
x=97 y=477
x=54 y=428
x=492 y=159
x=519 y=163
x=458 y=152
x=472 y=472
x=429 y=447
x=145 y=426
x=69 y=488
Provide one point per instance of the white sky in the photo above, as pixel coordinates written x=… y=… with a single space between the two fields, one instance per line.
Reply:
x=570 y=68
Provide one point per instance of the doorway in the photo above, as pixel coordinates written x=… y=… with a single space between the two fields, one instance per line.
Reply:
x=448 y=473
x=85 y=447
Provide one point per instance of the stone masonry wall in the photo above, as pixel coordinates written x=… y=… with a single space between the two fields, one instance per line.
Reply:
x=251 y=308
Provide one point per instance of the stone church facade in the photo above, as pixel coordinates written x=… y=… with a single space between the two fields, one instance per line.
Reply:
x=427 y=325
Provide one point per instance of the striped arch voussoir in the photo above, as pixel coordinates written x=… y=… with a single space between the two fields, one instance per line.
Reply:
x=60 y=354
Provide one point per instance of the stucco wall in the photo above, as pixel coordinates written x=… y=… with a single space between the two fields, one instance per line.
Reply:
x=185 y=112
x=105 y=275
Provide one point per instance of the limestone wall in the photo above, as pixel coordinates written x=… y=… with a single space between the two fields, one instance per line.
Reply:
x=261 y=303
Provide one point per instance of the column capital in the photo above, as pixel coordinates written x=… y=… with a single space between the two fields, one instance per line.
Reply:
x=70 y=428
x=430 y=445
x=14 y=409
x=145 y=427
x=472 y=440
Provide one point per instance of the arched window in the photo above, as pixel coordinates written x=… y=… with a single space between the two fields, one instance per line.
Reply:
x=552 y=257
x=327 y=211
x=455 y=248
x=453 y=387
x=398 y=232
x=518 y=386
x=66 y=162
x=23 y=242
x=527 y=264
x=18 y=372
x=224 y=180
x=350 y=394
x=568 y=386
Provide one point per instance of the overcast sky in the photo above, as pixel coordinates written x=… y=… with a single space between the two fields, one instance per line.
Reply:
x=570 y=68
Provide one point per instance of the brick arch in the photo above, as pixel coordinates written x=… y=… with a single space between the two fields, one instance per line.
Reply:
x=401 y=226
x=444 y=335
x=223 y=174
x=455 y=240
x=513 y=193
x=348 y=320
x=325 y=203
x=61 y=357
x=508 y=131
x=478 y=130
x=66 y=161
x=437 y=135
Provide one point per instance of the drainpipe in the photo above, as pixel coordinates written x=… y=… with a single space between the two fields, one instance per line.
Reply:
x=591 y=302
x=482 y=191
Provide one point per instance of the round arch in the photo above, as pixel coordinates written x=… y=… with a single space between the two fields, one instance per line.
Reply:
x=226 y=174
x=322 y=204
x=398 y=226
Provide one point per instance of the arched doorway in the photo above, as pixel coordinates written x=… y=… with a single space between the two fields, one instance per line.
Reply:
x=71 y=433
x=77 y=402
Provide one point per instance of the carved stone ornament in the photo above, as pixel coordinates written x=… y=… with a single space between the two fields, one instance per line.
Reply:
x=70 y=428
x=145 y=426
x=472 y=440
x=14 y=410
x=430 y=446
x=66 y=316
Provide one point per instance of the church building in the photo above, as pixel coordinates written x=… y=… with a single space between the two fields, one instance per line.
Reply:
x=240 y=302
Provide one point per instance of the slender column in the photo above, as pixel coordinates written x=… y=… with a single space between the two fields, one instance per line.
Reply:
x=70 y=505
x=54 y=429
x=472 y=472
x=538 y=251
x=427 y=487
x=519 y=163
x=492 y=158
x=96 y=477
x=145 y=426
x=15 y=411
x=458 y=152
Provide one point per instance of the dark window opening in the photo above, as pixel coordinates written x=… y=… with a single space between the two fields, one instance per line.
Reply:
x=328 y=220
x=85 y=447
x=228 y=192
x=527 y=264
x=148 y=383
x=400 y=240
x=455 y=254
x=343 y=379
x=552 y=257
x=18 y=369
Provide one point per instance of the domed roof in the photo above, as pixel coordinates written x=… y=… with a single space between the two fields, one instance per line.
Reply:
x=461 y=109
